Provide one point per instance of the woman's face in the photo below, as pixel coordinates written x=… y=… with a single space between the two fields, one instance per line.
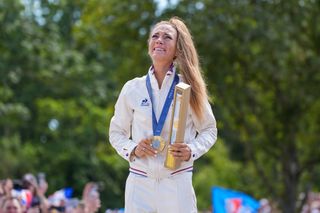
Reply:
x=12 y=206
x=162 y=43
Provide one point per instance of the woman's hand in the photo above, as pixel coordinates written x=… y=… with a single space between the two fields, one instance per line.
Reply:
x=180 y=151
x=144 y=149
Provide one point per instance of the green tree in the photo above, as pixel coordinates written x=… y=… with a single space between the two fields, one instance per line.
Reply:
x=261 y=59
x=54 y=100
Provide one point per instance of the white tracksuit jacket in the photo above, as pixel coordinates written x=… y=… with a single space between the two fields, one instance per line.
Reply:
x=132 y=122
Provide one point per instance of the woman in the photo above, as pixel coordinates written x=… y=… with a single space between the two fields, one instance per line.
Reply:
x=150 y=186
x=11 y=205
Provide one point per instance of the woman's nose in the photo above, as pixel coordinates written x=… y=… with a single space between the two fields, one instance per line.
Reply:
x=159 y=40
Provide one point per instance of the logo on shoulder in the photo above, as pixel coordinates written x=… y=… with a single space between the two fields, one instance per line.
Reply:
x=145 y=102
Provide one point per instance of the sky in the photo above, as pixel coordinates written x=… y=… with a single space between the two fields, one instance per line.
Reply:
x=163 y=3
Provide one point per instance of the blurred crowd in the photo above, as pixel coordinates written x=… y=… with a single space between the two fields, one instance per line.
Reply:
x=28 y=195
x=313 y=203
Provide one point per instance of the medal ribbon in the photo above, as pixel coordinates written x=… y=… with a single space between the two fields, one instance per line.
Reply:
x=158 y=125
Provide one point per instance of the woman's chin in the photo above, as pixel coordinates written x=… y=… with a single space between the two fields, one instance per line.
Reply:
x=161 y=58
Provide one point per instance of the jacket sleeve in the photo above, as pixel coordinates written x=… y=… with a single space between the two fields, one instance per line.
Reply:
x=207 y=133
x=120 y=125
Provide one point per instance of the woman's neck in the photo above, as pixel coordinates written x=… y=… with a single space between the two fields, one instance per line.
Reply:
x=160 y=71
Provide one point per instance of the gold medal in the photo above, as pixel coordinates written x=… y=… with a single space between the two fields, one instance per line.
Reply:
x=158 y=143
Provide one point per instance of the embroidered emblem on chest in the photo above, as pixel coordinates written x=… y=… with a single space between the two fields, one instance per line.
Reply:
x=144 y=102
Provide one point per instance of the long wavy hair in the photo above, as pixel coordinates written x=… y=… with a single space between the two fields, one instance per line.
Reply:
x=187 y=60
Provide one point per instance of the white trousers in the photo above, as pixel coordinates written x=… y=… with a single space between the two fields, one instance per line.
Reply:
x=167 y=195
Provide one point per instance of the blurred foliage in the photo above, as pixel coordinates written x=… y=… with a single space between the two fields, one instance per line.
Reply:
x=62 y=64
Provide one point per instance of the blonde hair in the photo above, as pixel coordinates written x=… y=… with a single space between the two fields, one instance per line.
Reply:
x=15 y=200
x=188 y=63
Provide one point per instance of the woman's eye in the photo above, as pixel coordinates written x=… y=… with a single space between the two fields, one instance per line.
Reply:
x=154 y=36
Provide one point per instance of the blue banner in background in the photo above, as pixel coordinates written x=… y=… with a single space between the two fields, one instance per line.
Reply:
x=229 y=201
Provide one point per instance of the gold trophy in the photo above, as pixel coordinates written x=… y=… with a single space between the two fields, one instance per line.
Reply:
x=178 y=121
